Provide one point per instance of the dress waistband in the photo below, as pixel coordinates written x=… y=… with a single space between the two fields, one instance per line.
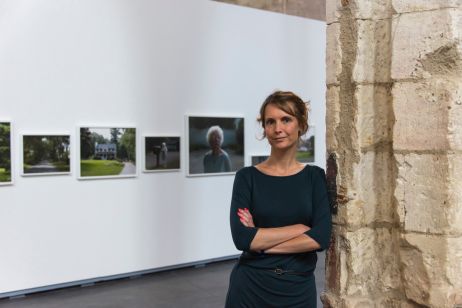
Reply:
x=280 y=271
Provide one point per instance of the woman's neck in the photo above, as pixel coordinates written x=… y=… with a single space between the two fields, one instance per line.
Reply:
x=281 y=163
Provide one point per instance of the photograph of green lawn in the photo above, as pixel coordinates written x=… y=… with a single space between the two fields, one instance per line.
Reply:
x=46 y=154
x=305 y=151
x=5 y=153
x=107 y=152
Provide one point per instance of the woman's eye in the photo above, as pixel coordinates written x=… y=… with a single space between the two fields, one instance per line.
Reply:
x=286 y=120
x=269 y=122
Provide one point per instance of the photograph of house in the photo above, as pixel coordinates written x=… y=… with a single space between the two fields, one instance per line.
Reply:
x=107 y=152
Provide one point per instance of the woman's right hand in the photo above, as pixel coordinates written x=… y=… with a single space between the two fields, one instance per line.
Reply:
x=245 y=217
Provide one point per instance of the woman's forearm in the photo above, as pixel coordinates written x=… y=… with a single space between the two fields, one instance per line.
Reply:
x=267 y=238
x=299 y=244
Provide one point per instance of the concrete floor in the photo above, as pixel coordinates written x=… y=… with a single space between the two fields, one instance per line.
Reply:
x=193 y=287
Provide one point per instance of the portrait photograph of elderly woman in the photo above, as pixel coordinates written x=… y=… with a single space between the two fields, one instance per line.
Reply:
x=215 y=145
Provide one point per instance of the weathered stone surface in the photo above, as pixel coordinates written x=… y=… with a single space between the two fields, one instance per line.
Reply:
x=334 y=55
x=367 y=251
x=269 y=5
x=375 y=115
x=336 y=264
x=332 y=301
x=365 y=205
x=370 y=53
x=393 y=121
x=405 y=6
x=432 y=267
x=454 y=212
x=424 y=46
x=332 y=117
x=428 y=115
x=315 y=9
x=375 y=199
x=374 y=51
x=361 y=9
x=355 y=256
x=425 y=202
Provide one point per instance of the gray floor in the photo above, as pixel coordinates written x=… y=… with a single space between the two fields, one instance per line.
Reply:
x=194 y=287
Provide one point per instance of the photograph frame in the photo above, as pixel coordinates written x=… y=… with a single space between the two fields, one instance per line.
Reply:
x=45 y=134
x=187 y=143
x=144 y=158
x=11 y=156
x=78 y=161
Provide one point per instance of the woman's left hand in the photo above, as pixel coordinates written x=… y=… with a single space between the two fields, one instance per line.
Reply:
x=245 y=217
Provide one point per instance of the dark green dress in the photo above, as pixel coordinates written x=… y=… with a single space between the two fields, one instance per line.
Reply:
x=277 y=201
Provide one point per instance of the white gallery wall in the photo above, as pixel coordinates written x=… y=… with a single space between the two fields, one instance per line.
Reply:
x=143 y=63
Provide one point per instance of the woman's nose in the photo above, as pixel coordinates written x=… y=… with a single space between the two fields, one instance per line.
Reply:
x=277 y=126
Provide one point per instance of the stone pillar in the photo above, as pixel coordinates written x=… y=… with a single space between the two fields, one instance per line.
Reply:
x=363 y=261
x=427 y=143
x=394 y=139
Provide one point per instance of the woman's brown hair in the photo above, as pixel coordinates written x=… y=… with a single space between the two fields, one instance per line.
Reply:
x=290 y=103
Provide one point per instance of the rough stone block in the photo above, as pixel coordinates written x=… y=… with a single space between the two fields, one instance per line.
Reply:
x=370 y=203
x=310 y=9
x=332 y=117
x=367 y=251
x=426 y=44
x=406 y=6
x=454 y=212
x=428 y=193
x=431 y=269
x=373 y=58
x=375 y=115
x=375 y=199
x=334 y=54
x=428 y=114
x=364 y=9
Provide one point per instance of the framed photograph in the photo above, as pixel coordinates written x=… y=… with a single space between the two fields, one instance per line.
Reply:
x=215 y=145
x=256 y=159
x=46 y=154
x=306 y=150
x=107 y=152
x=161 y=153
x=6 y=177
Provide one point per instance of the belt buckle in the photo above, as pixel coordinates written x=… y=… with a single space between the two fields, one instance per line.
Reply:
x=279 y=271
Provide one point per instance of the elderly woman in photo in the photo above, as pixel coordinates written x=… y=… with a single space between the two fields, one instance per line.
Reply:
x=216 y=160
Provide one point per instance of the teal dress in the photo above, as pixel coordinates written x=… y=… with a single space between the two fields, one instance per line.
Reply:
x=277 y=280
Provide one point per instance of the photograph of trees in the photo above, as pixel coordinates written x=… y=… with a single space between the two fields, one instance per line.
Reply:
x=5 y=152
x=107 y=152
x=46 y=154
x=161 y=153
x=305 y=151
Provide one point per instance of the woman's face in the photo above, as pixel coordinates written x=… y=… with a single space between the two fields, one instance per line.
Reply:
x=281 y=128
x=214 y=140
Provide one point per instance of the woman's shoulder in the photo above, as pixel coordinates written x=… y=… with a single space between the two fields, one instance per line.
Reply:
x=315 y=172
x=245 y=171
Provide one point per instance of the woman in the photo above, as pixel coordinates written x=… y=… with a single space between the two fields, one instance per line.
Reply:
x=280 y=216
x=216 y=160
